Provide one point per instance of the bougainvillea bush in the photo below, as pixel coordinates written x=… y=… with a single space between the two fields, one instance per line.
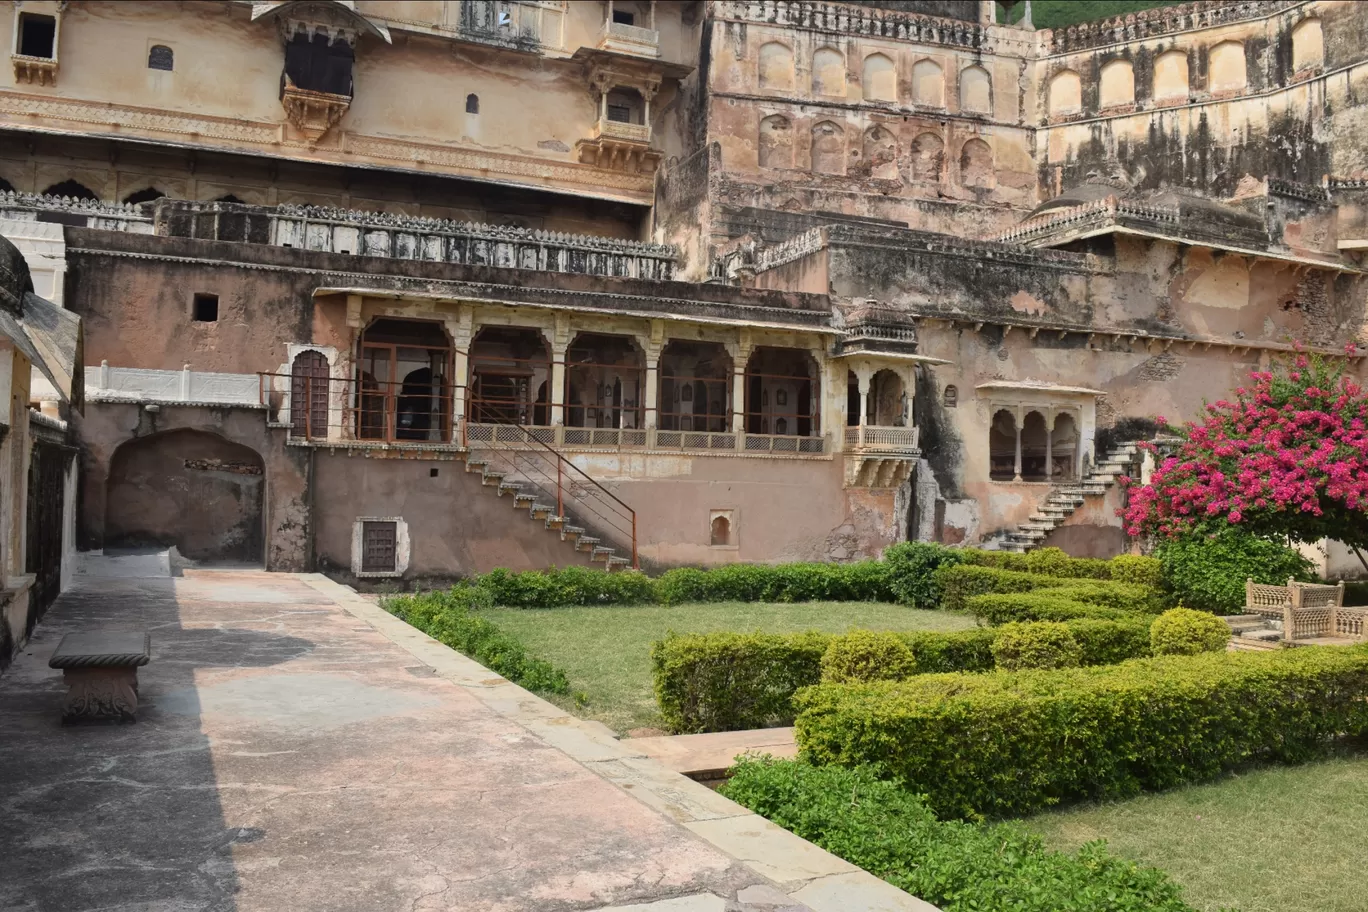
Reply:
x=1288 y=456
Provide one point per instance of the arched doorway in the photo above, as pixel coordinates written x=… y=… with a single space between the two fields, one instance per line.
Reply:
x=781 y=388
x=695 y=387
x=195 y=490
x=404 y=372
x=1002 y=443
x=1064 y=448
x=604 y=378
x=309 y=395
x=887 y=403
x=1034 y=447
x=509 y=367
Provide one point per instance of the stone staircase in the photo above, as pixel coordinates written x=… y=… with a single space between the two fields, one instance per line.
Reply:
x=595 y=550
x=1251 y=632
x=1064 y=499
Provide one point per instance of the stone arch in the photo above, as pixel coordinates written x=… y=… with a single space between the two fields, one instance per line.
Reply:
x=879 y=80
x=1002 y=440
x=1171 y=75
x=721 y=531
x=975 y=91
x=828 y=148
x=928 y=157
x=887 y=395
x=828 y=72
x=1117 y=84
x=774 y=145
x=1066 y=93
x=775 y=66
x=880 y=153
x=1226 y=67
x=71 y=189
x=472 y=103
x=145 y=195
x=951 y=397
x=928 y=83
x=1064 y=437
x=976 y=164
x=1308 y=44
x=195 y=490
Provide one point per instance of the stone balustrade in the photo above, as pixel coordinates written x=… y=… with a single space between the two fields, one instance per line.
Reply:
x=171 y=386
x=1164 y=20
x=82 y=213
x=849 y=19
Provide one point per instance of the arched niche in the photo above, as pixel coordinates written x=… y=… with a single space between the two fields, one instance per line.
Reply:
x=828 y=148
x=928 y=158
x=928 y=84
x=880 y=153
x=774 y=145
x=1002 y=442
x=1066 y=93
x=879 y=79
x=775 y=66
x=976 y=91
x=1308 y=44
x=976 y=164
x=828 y=72
x=1171 y=76
x=1226 y=67
x=1117 y=84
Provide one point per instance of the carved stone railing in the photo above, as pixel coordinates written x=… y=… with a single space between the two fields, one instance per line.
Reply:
x=849 y=19
x=1308 y=192
x=1087 y=215
x=623 y=132
x=560 y=436
x=185 y=386
x=129 y=217
x=795 y=248
x=870 y=438
x=1165 y=20
x=630 y=39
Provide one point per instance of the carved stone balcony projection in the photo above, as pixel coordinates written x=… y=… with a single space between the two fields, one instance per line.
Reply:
x=619 y=38
x=313 y=113
x=41 y=71
x=619 y=147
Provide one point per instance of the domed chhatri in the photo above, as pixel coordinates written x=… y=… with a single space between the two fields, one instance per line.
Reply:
x=15 y=279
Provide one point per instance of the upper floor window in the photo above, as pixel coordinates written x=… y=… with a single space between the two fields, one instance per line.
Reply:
x=625 y=106
x=472 y=103
x=37 y=36
x=161 y=57
x=622 y=17
x=317 y=64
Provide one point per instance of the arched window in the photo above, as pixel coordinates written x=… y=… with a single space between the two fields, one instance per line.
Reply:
x=1308 y=45
x=1064 y=448
x=721 y=531
x=161 y=57
x=145 y=195
x=928 y=84
x=828 y=148
x=951 y=396
x=309 y=395
x=928 y=157
x=1118 y=84
x=776 y=66
x=1066 y=93
x=472 y=103
x=976 y=91
x=625 y=105
x=881 y=153
x=1002 y=444
x=828 y=72
x=976 y=164
x=775 y=143
x=880 y=79
x=71 y=189
x=1226 y=67
x=1171 y=76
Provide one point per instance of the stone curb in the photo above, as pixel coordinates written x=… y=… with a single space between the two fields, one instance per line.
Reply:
x=805 y=873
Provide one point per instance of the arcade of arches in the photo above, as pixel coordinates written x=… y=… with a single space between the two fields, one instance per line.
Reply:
x=1042 y=446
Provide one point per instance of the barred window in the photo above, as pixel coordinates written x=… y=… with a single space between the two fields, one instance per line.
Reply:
x=378 y=541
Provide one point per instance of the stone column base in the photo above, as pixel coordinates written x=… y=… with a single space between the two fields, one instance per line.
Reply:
x=100 y=693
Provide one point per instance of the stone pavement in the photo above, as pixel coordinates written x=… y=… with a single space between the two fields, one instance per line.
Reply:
x=299 y=749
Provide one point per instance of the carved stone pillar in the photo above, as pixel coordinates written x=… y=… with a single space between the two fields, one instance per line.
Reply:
x=740 y=352
x=1049 y=444
x=560 y=344
x=652 y=347
x=1016 y=464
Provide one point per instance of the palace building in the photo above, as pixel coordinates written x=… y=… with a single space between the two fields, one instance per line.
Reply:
x=413 y=289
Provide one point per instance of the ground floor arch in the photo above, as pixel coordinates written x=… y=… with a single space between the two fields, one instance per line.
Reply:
x=195 y=490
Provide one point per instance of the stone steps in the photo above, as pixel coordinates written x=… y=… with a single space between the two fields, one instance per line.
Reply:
x=1063 y=500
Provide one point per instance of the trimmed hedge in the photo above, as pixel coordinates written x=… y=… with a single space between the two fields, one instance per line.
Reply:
x=560 y=587
x=1126 y=568
x=867 y=655
x=735 y=681
x=1045 y=605
x=1013 y=743
x=911 y=571
x=891 y=833
x=862 y=581
x=446 y=617
x=960 y=583
x=1042 y=645
x=1183 y=631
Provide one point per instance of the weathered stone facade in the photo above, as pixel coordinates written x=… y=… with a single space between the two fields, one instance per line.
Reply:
x=780 y=280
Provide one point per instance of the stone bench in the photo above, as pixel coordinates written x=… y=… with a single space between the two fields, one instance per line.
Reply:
x=100 y=669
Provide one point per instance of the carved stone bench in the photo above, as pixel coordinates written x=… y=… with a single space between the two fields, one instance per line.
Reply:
x=101 y=673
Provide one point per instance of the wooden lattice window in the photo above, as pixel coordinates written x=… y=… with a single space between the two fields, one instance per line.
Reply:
x=309 y=395
x=378 y=546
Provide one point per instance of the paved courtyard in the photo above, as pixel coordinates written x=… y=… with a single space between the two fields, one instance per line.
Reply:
x=289 y=755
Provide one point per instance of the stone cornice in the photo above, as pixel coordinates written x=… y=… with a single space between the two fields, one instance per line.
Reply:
x=1166 y=20
x=852 y=19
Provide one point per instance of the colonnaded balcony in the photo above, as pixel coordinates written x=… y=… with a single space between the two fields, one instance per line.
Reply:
x=601 y=393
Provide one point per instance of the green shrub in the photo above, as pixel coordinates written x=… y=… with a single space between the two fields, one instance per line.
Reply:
x=911 y=569
x=862 y=581
x=1013 y=743
x=1044 y=644
x=867 y=655
x=960 y=867
x=1182 y=631
x=1133 y=568
x=1126 y=568
x=1209 y=572
x=962 y=583
x=1045 y=605
x=558 y=588
x=447 y=618
x=733 y=681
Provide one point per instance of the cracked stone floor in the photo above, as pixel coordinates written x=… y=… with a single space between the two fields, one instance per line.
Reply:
x=287 y=756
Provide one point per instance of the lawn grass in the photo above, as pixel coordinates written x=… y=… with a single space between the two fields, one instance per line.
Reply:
x=1283 y=839
x=607 y=651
